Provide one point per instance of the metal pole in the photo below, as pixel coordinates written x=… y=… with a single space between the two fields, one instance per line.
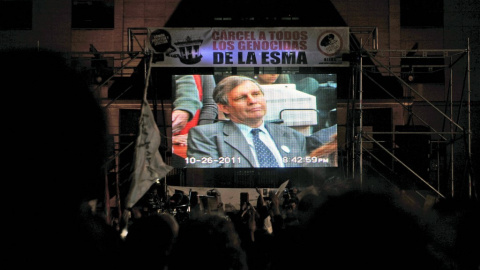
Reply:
x=129 y=40
x=352 y=137
x=360 y=97
x=438 y=165
x=469 y=120
x=404 y=165
x=415 y=91
x=452 y=180
x=119 y=206
x=107 y=198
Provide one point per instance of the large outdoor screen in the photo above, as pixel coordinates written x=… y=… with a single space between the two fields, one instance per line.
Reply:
x=298 y=113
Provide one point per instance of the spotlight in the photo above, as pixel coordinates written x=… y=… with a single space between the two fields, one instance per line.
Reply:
x=410 y=77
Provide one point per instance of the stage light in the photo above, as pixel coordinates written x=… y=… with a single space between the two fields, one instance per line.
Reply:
x=410 y=77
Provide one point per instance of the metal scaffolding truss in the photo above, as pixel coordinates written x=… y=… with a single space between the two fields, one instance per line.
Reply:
x=389 y=63
x=392 y=63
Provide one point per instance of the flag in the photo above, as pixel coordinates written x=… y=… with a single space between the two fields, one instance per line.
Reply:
x=149 y=165
x=281 y=188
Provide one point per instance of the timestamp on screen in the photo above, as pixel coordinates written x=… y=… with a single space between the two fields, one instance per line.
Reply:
x=305 y=160
x=210 y=160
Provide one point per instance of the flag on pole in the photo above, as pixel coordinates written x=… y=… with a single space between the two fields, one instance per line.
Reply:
x=149 y=166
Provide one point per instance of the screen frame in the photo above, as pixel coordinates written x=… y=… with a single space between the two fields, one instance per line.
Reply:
x=253 y=72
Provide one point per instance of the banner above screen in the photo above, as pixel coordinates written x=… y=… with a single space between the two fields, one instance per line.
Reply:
x=248 y=47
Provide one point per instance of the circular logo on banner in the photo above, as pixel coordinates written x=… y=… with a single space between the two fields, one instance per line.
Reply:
x=329 y=43
x=160 y=40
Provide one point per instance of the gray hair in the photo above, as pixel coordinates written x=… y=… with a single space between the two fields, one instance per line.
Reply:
x=227 y=84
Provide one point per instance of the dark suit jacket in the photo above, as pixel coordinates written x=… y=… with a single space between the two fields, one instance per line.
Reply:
x=320 y=137
x=222 y=145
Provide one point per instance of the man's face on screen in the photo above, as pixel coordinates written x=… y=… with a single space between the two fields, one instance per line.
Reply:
x=247 y=104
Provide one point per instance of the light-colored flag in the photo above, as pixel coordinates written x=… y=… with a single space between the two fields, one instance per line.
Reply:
x=281 y=188
x=149 y=166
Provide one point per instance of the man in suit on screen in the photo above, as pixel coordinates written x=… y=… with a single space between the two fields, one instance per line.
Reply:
x=231 y=143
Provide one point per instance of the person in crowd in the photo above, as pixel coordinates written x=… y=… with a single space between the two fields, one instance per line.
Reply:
x=208 y=242
x=231 y=143
x=363 y=229
x=61 y=147
x=256 y=234
x=263 y=209
x=150 y=240
x=271 y=229
x=454 y=223
x=290 y=212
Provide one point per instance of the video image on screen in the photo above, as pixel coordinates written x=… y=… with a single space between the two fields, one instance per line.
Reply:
x=213 y=117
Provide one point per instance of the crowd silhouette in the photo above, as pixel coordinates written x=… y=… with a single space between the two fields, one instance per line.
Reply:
x=337 y=226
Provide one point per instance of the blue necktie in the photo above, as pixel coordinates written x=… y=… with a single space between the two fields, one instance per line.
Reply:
x=264 y=155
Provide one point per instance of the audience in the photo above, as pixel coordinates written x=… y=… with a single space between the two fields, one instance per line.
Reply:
x=454 y=223
x=208 y=242
x=150 y=240
x=365 y=230
x=335 y=226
